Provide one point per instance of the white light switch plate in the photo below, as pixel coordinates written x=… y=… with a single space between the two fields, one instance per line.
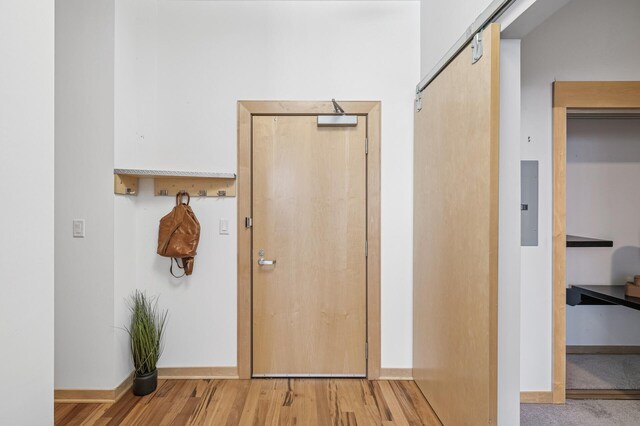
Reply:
x=78 y=228
x=224 y=227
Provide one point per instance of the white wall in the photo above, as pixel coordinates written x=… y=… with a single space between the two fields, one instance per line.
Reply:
x=180 y=68
x=523 y=16
x=84 y=314
x=124 y=284
x=129 y=84
x=603 y=200
x=509 y=236
x=557 y=49
x=442 y=23
x=26 y=188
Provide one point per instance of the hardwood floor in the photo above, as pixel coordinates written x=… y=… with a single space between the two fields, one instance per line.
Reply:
x=261 y=402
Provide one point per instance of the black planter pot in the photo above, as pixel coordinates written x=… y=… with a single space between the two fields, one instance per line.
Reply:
x=145 y=384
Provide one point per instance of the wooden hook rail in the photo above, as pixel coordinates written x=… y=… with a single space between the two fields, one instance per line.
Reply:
x=169 y=183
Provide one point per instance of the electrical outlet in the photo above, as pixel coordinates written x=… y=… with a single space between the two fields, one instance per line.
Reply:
x=78 y=228
x=224 y=227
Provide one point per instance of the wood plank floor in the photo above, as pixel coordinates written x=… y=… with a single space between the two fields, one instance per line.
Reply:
x=261 y=402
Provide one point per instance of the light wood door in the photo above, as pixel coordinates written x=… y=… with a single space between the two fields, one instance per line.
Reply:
x=456 y=238
x=309 y=215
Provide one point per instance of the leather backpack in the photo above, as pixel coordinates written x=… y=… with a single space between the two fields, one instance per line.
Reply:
x=179 y=234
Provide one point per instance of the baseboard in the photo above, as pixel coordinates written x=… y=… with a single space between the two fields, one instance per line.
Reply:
x=169 y=373
x=89 y=396
x=396 y=374
x=603 y=393
x=93 y=396
x=109 y=396
x=124 y=387
x=540 y=397
x=609 y=350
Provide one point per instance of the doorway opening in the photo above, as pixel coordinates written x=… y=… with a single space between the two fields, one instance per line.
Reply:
x=583 y=99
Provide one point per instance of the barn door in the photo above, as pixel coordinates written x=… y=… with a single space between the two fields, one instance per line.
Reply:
x=456 y=238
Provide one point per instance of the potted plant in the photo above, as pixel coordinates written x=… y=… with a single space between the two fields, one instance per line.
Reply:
x=146 y=332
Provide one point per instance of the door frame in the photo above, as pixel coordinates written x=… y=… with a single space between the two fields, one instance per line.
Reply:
x=567 y=95
x=246 y=110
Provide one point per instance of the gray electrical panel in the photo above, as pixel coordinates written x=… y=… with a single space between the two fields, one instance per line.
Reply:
x=529 y=203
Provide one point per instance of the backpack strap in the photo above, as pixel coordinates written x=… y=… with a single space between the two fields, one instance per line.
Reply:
x=187 y=264
x=179 y=196
x=178 y=265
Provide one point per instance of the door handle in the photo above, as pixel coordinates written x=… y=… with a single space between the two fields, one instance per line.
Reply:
x=263 y=262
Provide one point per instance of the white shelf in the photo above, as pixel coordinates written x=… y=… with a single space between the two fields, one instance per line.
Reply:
x=170 y=173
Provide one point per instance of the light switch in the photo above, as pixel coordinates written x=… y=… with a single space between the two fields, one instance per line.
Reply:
x=224 y=227
x=78 y=228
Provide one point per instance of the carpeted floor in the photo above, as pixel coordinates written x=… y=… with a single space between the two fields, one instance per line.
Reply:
x=603 y=371
x=581 y=413
x=592 y=372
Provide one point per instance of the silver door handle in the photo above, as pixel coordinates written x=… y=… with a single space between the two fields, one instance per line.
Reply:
x=262 y=262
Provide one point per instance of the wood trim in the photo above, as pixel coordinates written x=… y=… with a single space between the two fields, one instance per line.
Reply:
x=603 y=393
x=306 y=107
x=536 y=397
x=172 y=373
x=246 y=109
x=93 y=396
x=396 y=374
x=596 y=94
x=244 y=242
x=123 y=387
x=88 y=396
x=373 y=241
x=494 y=229
x=573 y=94
x=608 y=350
x=109 y=396
x=559 y=251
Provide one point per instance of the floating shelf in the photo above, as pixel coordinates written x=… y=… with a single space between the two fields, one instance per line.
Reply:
x=166 y=182
x=611 y=113
x=600 y=295
x=575 y=241
x=578 y=297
